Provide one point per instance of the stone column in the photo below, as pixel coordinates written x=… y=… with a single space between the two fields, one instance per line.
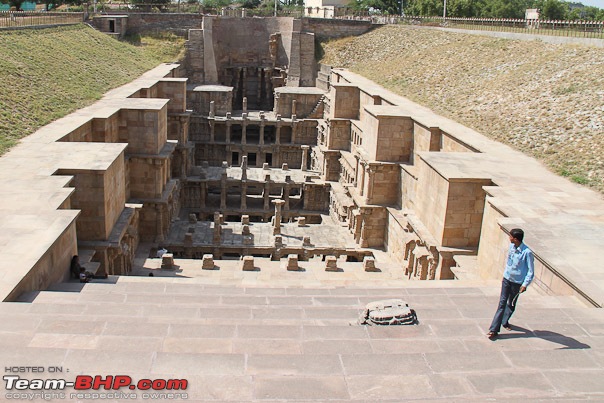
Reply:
x=267 y=189
x=304 y=157
x=277 y=227
x=278 y=130
x=363 y=165
x=203 y=189
x=243 y=195
x=223 y=191
x=244 y=167
x=364 y=241
x=159 y=214
x=286 y=189
x=228 y=127
x=244 y=104
x=212 y=130
x=294 y=129
x=261 y=140
x=217 y=229
x=243 y=128
x=212 y=109
x=293 y=107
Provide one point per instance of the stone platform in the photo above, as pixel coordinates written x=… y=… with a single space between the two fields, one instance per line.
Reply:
x=256 y=339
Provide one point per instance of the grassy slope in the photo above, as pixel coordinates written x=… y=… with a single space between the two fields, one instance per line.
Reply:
x=47 y=73
x=545 y=100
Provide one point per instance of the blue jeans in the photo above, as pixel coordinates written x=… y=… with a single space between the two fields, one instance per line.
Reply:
x=507 y=304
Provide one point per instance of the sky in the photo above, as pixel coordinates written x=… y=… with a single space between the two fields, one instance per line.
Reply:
x=595 y=3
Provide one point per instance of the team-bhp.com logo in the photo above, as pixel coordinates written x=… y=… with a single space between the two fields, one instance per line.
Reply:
x=88 y=387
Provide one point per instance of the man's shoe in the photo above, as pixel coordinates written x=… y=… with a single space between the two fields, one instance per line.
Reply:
x=507 y=326
x=492 y=335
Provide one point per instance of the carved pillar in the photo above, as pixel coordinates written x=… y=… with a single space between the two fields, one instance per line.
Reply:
x=267 y=191
x=294 y=129
x=212 y=129
x=304 y=157
x=243 y=128
x=286 y=190
x=262 y=132
x=228 y=128
x=203 y=189
x=278 y=130
x=223 y=191
x=364 y=231
x=277 y=225
x=217 y=236
x=243 y=195
x=159 y=216
x=362 y=189
x=244 y=167
x=212 y=109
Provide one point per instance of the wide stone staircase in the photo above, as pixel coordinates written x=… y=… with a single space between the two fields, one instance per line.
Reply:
x=265 y=343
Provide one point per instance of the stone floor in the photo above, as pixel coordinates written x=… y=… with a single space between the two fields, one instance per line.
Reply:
x=328 y=234
x=270 y=335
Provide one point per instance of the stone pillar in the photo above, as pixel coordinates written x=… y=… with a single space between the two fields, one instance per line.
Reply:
x=203 y=190
x=228 y=127
x=212 y=130
x=212 y=109
x=362 y=189
x=277 y=227
x=243 y=128
x=364 y=241
x=261 y=140
x=294 y=129
x=243 y=195
x=278 y=130
x=217 y=229
x=244 y=167
x=286 y=190
x=223 y=191
x=267 y=190
x=244 y=104
x=294 y=107
x=304 y=157
x=159 y=236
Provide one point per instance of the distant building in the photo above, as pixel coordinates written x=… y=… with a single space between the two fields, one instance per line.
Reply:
x=325 y=8
x=532 y=14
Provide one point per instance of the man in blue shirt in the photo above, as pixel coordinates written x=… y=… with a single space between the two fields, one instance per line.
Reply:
x=518 y=274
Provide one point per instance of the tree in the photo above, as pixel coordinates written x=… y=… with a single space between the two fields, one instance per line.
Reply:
x=554 y=10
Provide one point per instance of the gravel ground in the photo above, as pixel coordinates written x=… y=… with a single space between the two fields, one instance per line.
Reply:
x=545 y=100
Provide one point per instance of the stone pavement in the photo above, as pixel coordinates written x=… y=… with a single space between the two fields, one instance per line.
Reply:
x=240 y=337
x=328 y=234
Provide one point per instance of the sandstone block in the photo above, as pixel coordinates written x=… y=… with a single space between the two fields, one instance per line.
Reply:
x=292 y=263
x=207 y=263
x=167 y=261
x=331 y=263
x=369 y=264
x=247 y=263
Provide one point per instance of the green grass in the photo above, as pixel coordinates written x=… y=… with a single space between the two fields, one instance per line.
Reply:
x=47 y=73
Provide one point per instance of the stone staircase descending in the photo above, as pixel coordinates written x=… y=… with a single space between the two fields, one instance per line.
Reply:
x=261 y=343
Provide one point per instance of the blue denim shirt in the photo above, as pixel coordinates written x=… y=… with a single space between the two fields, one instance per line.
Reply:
x=520 y=265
